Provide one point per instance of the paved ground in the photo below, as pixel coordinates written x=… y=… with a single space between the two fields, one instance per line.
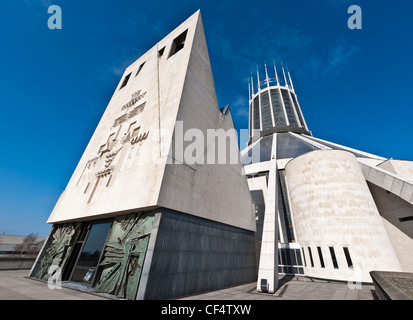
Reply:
x=14 y=285
x=294 y=288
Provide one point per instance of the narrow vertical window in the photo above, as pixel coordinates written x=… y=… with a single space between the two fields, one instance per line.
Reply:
x=160 y=52
x=178 y=43
x=298 y=257
x=125 y=81
x=266 y=111
x=320 y=255
x=289 y=108
x=139 y=69
x=311 y=257
x=256 y=113
x=333 y=257
x=348 y=258
x=305 y=261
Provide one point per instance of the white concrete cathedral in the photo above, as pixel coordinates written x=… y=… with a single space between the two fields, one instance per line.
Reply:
x=142 y=217
x=322 y=210
x=158 y=208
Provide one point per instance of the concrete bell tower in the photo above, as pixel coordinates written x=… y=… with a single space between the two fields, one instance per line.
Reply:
x=145 y=215
x=274 y=106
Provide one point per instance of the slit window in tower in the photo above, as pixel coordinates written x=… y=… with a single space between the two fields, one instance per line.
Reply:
x=320 y=255
x=311 y=257
x=348 y=258
x=298 y=255
x=404 y=219
x=305 y=261
x=257 y=125
x=333 y=258
x=266 y=111
x=277 y=108
x=289 y=108
x=297 y=109
x=125 y=81
x=139 y=69
x=160 y=52
x=178 y=43
x=293 y=257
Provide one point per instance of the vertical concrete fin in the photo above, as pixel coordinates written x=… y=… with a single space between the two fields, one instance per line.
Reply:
x=268 y=268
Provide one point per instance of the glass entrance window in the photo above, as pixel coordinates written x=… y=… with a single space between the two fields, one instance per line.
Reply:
x=89 y=257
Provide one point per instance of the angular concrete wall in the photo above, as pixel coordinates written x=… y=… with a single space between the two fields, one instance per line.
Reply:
x=134 y=170
x=119 y=173
x=213 y=187
x=393 y=209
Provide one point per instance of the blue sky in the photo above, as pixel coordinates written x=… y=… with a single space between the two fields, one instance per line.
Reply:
x=354 y=86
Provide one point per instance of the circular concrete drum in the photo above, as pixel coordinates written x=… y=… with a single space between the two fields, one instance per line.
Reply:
x=336 y=220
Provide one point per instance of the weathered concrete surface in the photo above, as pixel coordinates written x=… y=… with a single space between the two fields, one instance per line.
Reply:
x=14 y=285
x=116 y=176
x=333 y=207
x=386 y=179
x=393 y=285
x=393 y=209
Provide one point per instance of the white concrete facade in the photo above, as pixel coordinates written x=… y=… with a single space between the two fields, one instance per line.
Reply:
x=333 y=207
x=268 y=267
x=341 y=212
x=130 y=162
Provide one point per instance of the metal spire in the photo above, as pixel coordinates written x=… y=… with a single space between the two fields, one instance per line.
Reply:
x=252 y=84
x=266 y=75
x=285 y=78
x=291 y=81
x=276 y=74
x=258 y=79
x=249 y=90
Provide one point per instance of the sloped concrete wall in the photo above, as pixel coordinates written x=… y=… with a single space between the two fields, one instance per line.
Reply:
x=392 y=208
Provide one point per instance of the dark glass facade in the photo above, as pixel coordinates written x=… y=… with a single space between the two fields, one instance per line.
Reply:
x=290 y=261
x=257 y=113
x=260 y=152
x=266 y=111
x=289 y=146
x=289 y=108
x=297 y=109
x=284 y=207
x=277 y=108
x=332 y=146
x=88 y=259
